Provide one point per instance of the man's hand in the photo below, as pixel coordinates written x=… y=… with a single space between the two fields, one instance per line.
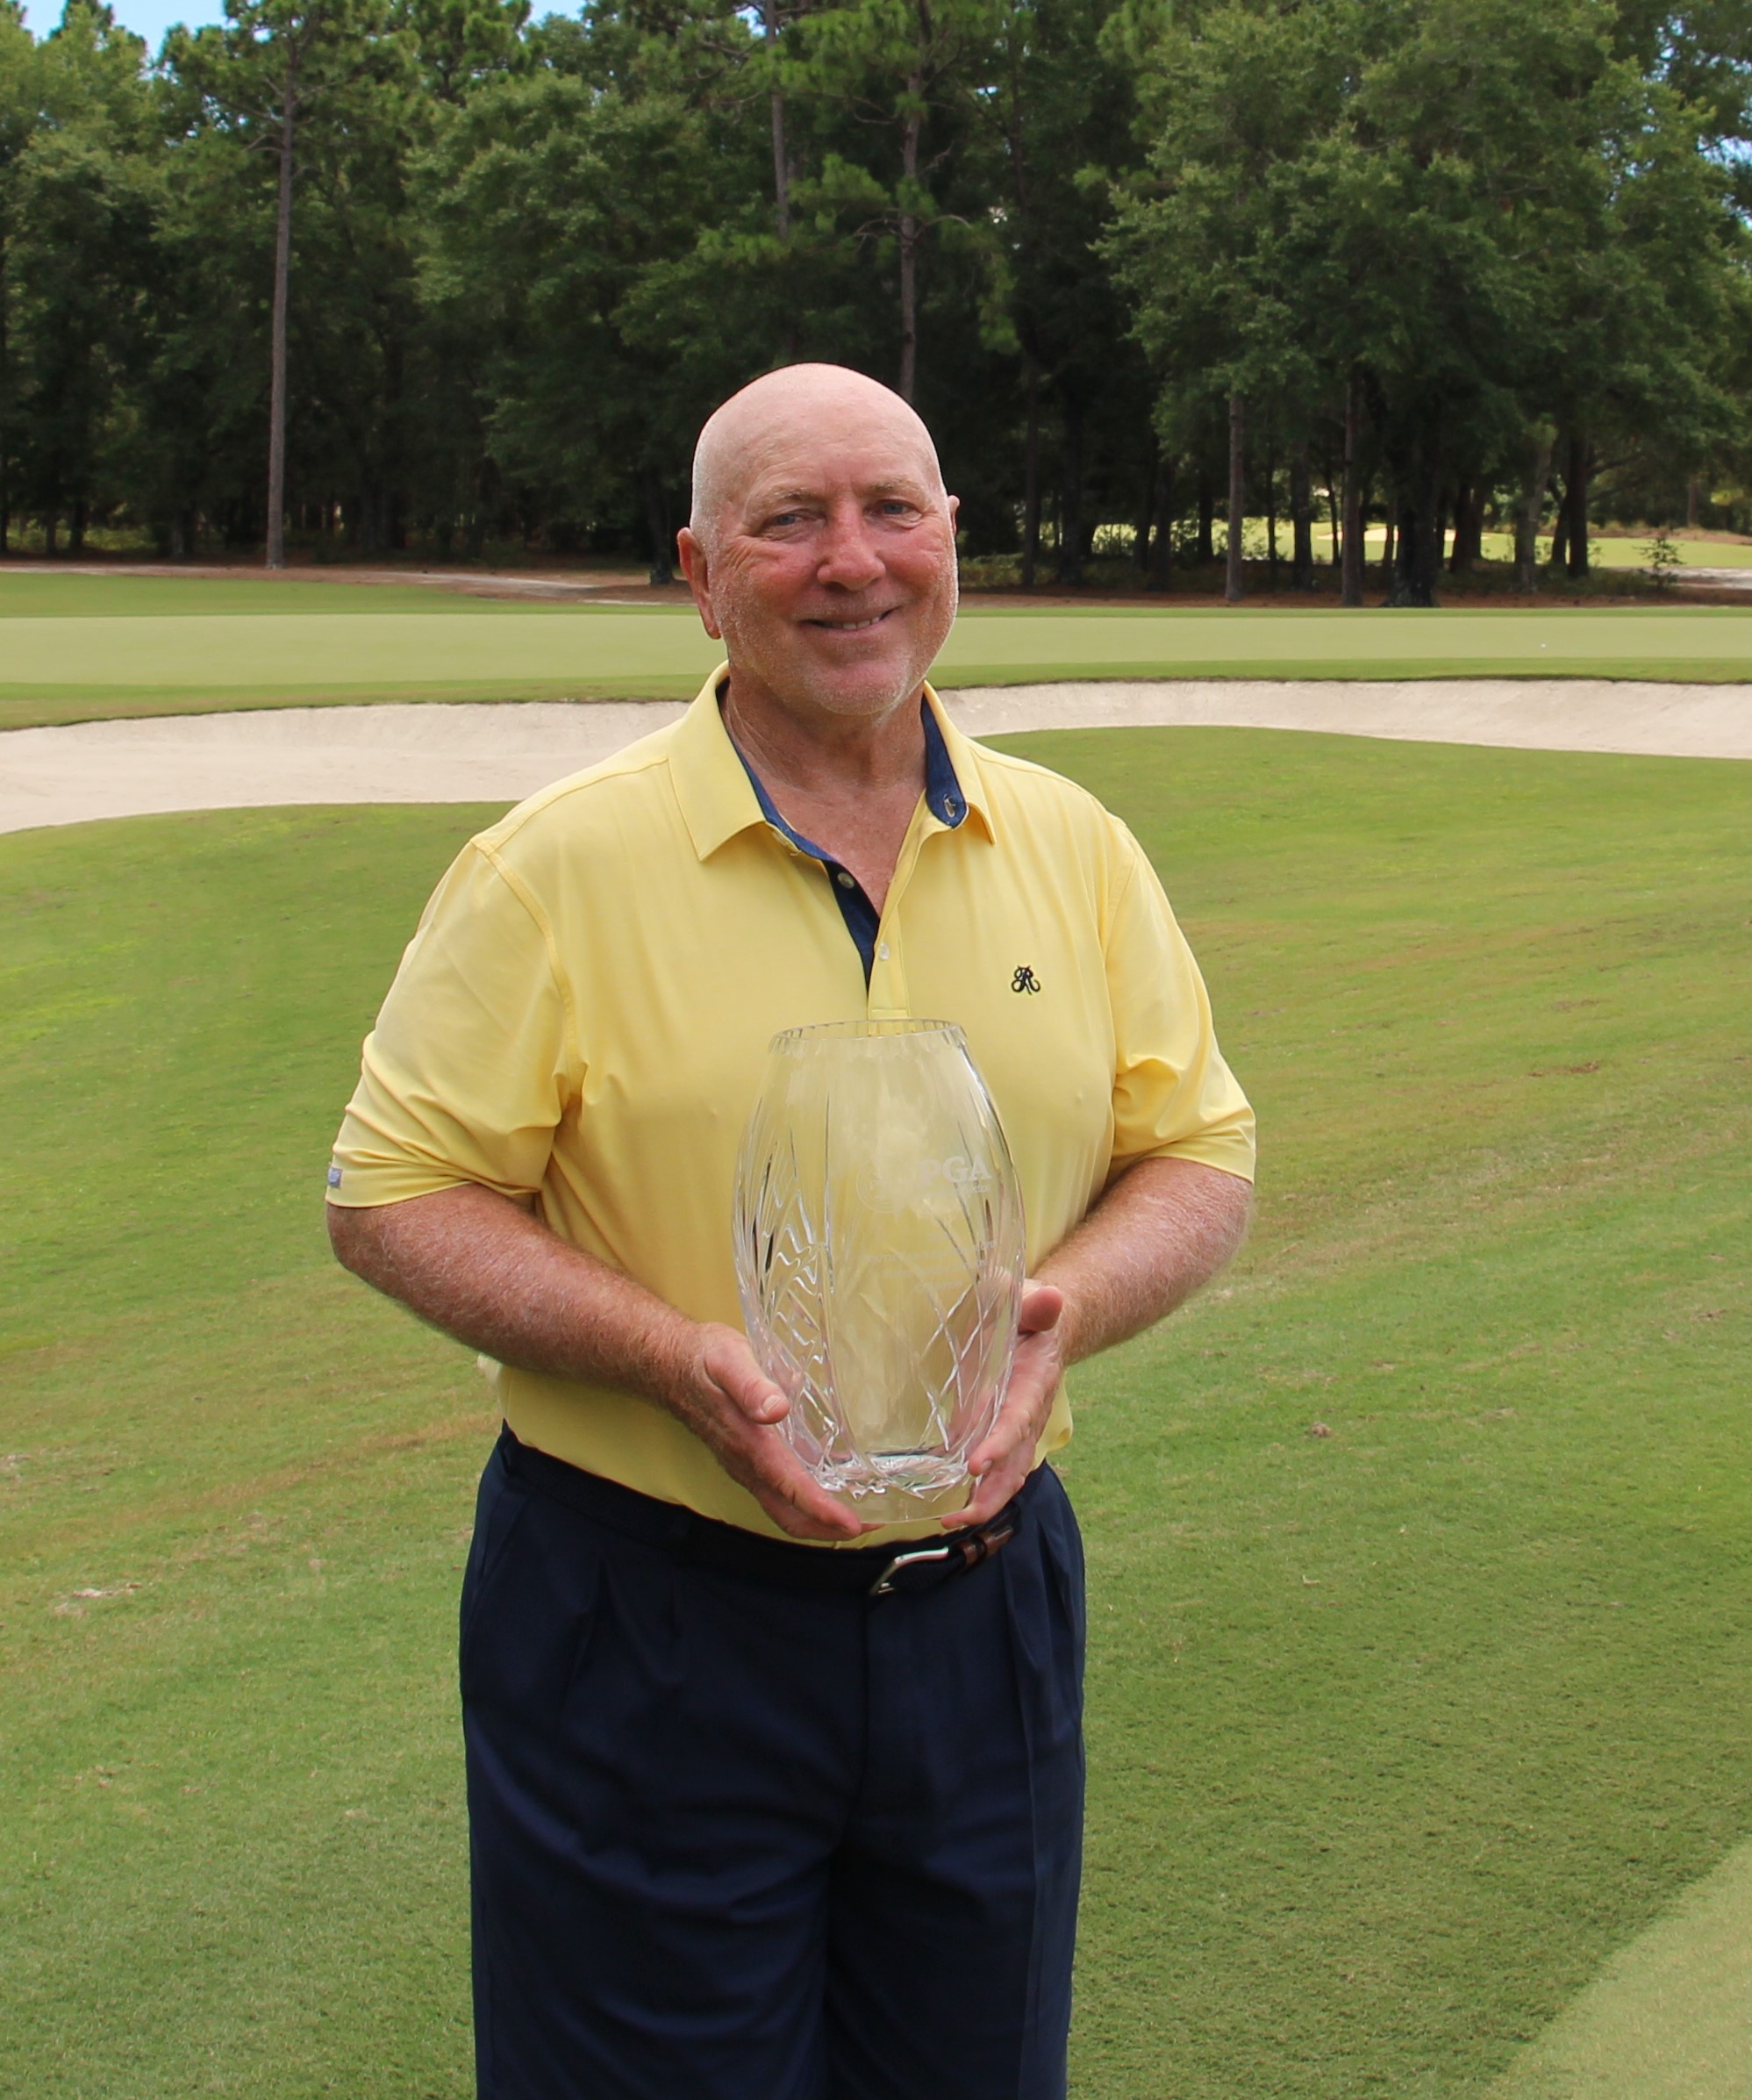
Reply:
x=481 y=1269
x=1003 y=1460
x=722 y=1394
x=1160 y=1233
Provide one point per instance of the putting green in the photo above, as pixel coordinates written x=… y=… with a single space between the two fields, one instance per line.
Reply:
x=27 y=594
x=1669 y=2018
x=1396 y=1732
x=76 y=667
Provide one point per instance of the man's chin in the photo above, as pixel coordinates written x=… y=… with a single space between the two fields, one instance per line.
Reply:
x=866 y=691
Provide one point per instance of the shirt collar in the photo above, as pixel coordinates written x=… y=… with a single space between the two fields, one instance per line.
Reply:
x=717 y=793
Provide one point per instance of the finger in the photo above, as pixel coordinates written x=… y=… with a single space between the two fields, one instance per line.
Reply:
x=1039 y=1309
x=746 y=1386
x=1020 y=1421
x=793 y=1489
x=999 y=1487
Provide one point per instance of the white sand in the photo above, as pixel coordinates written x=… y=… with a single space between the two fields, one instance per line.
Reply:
x=484 y=753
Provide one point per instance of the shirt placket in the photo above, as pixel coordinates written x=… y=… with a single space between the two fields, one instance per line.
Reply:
x=886 y=996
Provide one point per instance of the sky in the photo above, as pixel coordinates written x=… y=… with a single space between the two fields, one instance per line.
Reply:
x=150 y=18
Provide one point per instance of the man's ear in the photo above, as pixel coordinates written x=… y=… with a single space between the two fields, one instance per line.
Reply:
x=697 y=566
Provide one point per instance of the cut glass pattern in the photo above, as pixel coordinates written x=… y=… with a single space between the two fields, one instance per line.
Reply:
x=879 y=1255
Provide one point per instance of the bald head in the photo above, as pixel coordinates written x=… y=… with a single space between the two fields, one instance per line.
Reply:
x=822 y=546
x=789 y=413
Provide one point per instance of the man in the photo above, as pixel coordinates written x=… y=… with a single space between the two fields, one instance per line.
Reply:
x=748 y=1821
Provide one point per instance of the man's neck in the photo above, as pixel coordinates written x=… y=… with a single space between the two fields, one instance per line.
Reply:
x=819 y=753
x=849 y=783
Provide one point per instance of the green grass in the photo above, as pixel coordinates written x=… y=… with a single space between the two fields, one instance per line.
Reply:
x=1604 y=551
x=30 y=594
x=157 y=658
x=1396 y=1733
x=1670 y=2015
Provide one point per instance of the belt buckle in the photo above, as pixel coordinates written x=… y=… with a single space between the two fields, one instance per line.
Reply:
x=967 y=1549
x=885 y=1585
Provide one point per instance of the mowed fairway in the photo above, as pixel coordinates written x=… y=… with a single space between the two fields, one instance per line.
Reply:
x=182 y=647
x=1397 y=1730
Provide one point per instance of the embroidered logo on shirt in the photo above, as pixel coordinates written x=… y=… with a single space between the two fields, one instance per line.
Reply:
x=334 y=1177
x=1025 y=979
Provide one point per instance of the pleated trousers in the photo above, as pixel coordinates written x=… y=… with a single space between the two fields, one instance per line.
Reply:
x=735 y=1841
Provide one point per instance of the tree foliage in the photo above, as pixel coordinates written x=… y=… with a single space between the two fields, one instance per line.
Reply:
x=1122 y=252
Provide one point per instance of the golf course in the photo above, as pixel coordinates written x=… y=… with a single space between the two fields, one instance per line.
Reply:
x=1421 y=1618
x=79 y=648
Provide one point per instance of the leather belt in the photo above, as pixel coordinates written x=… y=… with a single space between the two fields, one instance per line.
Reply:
x=885 y=1571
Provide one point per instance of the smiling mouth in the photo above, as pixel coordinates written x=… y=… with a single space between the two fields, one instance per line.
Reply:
x=850 y=626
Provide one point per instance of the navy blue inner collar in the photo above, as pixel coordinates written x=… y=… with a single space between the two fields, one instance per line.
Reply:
x=943 y=798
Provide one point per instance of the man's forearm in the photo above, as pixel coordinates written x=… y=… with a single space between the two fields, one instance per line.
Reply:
x=485 y=1272
x=1161 y=1233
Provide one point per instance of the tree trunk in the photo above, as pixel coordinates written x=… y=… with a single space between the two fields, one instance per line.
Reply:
x=1234 y=577
x=1333 y=512
x=769 y=21
x=1419 y=547
x=51 y=528
x=5 y=396
x=1575 y=491
x=657 y=524
x=283 y=278
x=1140 y=534
x=1071 y=497
x=1301 y=520
x=1031 y=483
x=1693 y=501
x=1464 y=552
x=1559 y=535
x=910 y=232
x=1206 y=549
x=1388 y=515
x=1162 y=547
x=1350 y=575
x=1270 y=522
x=1527 y=515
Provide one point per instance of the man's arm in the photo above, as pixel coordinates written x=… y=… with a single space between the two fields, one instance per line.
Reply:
x=1159 y=1234
x=476 y=1265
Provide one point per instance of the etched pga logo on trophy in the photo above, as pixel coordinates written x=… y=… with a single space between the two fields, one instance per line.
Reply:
x=880 y=1256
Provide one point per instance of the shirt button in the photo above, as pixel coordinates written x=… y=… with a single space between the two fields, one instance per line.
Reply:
x=846 y=879
x=882 y=953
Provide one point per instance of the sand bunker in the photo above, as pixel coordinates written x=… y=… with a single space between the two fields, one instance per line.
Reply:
x=484 y=753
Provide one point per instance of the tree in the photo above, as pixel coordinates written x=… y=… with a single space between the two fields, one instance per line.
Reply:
x=1228 y=96
x=80 y=198
x=275 y=65
x=901 y=69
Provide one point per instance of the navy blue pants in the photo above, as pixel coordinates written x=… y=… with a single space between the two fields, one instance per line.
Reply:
x=733 y=1840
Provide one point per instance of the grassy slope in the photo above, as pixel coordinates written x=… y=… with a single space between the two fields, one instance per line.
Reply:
x=1395 y=1733
x=137 y=646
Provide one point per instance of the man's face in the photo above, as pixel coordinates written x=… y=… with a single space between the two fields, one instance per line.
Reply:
x=831 y=575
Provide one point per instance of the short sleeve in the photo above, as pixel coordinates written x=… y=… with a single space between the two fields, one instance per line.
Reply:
x=470 y=1067
x=1173 y=1095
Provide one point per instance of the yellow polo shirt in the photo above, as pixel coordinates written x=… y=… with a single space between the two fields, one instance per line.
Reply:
x=580 y=1022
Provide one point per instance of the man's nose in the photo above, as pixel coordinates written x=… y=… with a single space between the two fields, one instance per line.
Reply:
x=849 y=555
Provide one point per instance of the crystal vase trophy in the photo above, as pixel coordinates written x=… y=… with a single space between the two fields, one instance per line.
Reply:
x=879 y=1255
